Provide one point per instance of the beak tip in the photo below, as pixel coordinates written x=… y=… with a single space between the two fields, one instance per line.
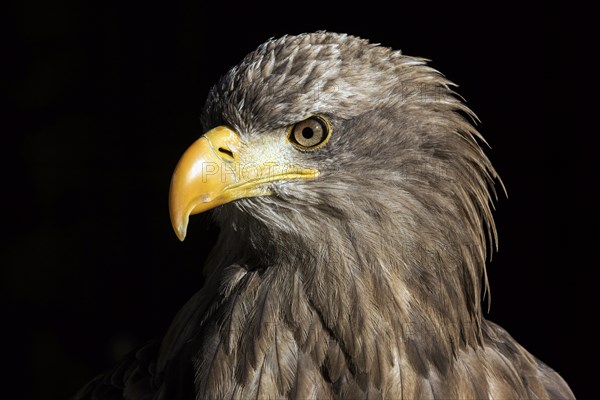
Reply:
x=181 y=231
x=179 y=219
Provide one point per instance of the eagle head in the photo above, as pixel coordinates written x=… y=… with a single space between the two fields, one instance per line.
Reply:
x=311 y=130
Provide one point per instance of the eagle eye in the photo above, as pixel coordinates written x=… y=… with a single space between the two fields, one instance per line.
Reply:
x=310 y=134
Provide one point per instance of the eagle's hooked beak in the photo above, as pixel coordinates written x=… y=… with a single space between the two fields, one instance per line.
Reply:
x=210 y=174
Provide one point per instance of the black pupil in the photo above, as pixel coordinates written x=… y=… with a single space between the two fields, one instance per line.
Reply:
x=307 y=133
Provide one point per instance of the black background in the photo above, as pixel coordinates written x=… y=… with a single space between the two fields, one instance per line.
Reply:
x=108 y=97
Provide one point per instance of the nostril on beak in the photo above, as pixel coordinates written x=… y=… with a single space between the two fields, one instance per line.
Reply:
x=226 y=154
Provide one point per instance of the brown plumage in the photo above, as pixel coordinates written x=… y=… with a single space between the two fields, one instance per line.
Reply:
x=364 y=282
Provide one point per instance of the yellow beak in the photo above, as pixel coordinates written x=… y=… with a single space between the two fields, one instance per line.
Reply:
x=210 y=174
